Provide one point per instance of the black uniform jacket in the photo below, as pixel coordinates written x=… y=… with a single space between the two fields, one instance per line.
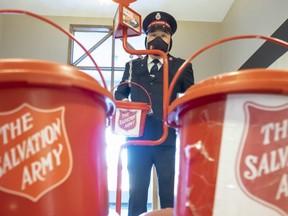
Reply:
x=154 y=85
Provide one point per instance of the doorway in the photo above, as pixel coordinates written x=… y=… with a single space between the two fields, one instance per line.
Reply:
x=111 y=58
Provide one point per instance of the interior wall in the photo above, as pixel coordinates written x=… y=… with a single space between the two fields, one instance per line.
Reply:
x=27 y=37
x=249 y=17
x=281 y=63
x=191 y=37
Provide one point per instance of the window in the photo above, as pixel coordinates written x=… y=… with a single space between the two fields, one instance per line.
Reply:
x=108 y=53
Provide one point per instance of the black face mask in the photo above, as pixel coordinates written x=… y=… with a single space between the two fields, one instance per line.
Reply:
x=159 y=44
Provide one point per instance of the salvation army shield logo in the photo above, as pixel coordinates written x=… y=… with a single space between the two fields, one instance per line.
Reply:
x=35 y=154
x=262 y=165
x=127 y=119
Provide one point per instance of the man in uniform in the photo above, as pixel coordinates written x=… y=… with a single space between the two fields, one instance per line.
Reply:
x=148 y=72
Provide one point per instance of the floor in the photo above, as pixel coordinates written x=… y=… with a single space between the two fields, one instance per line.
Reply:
x=124 y=209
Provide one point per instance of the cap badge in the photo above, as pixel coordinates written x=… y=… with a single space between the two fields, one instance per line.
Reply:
x=158 y=16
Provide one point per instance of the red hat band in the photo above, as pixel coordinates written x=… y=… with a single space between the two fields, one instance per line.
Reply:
x=159 y=23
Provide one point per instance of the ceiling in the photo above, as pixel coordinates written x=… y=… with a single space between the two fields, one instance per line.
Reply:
x=185 y=10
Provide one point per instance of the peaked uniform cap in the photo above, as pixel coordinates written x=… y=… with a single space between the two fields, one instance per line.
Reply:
x=159 y=20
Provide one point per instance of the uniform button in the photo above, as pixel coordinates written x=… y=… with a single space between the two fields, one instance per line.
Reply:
x=151 y=83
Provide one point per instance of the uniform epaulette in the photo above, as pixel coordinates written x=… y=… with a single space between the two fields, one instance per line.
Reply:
x=136 y=60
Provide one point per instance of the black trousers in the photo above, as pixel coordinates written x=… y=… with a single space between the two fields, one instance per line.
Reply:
x=140 y=161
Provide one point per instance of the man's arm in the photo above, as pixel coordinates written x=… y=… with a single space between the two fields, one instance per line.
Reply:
x=188 y=78
x=122 y=92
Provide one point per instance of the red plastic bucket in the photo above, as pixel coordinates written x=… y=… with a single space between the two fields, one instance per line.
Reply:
x=52 y=140
x=130 y=117
x=233 y=131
